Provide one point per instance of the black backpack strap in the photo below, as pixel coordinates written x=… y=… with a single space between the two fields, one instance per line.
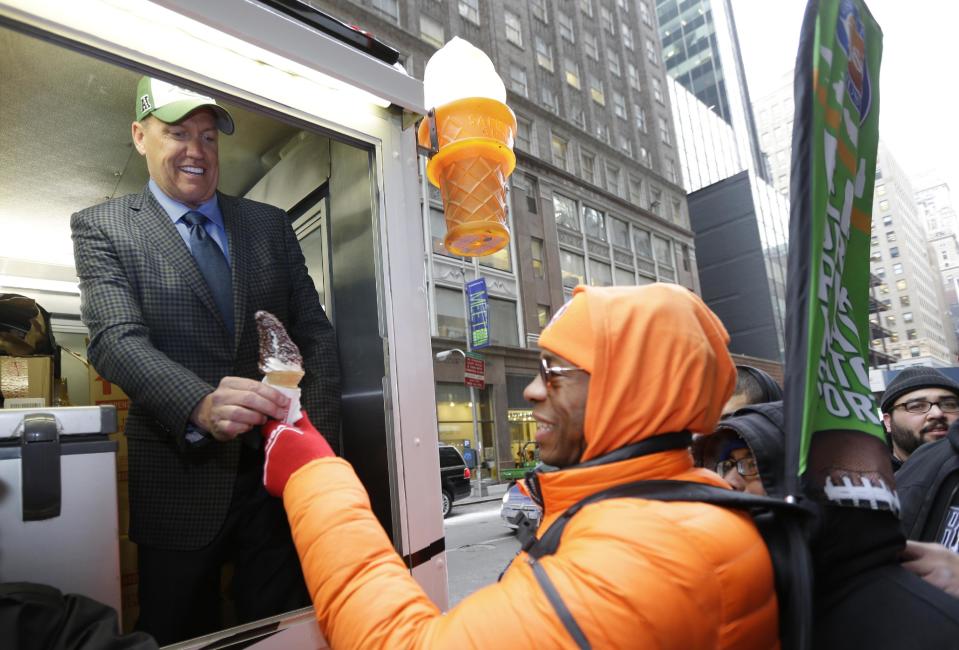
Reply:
x=664 y=490
x=561 y=609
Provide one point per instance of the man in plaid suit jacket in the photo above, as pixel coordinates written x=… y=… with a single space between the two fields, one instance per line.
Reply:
x=196 y=494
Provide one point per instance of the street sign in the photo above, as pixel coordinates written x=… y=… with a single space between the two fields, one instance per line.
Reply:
x=478 y=305
x=474 y=371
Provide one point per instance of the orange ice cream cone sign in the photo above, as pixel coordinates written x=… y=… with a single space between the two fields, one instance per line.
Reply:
x=472 y=147
x=471 y=168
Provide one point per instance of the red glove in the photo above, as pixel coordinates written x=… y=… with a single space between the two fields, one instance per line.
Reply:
x=288 y=448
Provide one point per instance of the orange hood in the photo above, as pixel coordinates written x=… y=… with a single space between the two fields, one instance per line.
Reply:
x=657 y=360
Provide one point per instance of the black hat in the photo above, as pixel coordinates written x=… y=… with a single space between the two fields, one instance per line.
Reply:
x=911 y=379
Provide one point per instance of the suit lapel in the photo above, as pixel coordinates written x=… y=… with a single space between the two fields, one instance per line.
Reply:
x=161 y=235
x=239 y=261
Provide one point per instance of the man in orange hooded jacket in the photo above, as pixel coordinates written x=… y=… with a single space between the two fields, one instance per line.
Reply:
x=619 y=366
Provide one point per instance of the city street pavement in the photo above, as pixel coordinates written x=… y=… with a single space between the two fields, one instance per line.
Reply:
x=478 y=546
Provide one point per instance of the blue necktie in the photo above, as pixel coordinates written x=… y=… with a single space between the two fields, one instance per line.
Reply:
x=213 y=265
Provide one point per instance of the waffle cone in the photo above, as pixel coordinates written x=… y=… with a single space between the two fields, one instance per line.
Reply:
x=284 y=378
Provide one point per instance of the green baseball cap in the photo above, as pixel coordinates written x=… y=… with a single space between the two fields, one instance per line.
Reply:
x=170 y=104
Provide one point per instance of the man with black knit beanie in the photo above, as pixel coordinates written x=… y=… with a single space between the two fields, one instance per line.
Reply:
x=918 y=406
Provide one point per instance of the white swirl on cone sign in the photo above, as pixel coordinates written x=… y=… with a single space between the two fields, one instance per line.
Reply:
x=459 y=70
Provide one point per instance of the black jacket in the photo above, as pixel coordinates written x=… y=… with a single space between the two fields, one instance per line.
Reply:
x=927 y=484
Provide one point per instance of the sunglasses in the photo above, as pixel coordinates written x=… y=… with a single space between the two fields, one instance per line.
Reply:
x=547 y=372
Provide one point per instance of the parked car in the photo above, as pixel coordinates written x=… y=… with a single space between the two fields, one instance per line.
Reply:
x=515 y=502
x=454 y=477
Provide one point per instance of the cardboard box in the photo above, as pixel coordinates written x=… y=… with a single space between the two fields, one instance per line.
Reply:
x=103 y=392
x=27 y=377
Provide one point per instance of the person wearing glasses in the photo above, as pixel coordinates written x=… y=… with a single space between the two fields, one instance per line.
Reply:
x=928 y=481
x=918 y=406
x=625 y=375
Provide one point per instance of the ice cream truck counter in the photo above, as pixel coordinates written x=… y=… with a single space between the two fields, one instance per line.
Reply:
x=325 y=131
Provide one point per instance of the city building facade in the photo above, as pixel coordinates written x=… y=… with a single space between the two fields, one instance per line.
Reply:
x=910 y=286
x=596 y=197
x=935 y=205
x=741 y=222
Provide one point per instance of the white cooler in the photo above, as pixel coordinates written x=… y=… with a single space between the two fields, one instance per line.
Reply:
x=58 y=500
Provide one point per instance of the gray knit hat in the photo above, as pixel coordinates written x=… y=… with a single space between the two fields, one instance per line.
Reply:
x=911 y=379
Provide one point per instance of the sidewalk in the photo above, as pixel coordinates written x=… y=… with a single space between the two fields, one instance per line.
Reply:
x=494 y=492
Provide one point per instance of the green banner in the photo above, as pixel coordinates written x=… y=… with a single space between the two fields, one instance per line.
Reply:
x=835 y=137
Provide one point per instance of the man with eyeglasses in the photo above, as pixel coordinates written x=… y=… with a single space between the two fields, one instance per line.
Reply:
x=626 y=374
x=918 y=406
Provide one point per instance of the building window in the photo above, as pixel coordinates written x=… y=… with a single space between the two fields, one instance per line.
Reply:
x=588 y=164
x=388 y=7
x=503 y=326
x=639 y=115
x=560 y=149
x=887 y=219
x=619 y=105
x=914 y=351
x=576 y=114
x=632 y=75
x=911 y=335
x=517 y=80
x=548 y=98
x=594 y=223
x=431 y=31
x=884 y=205
x=626 y=146
x=536 y=252
x=523 y=133
x=602 y=132
x=644 y=13
x=642 y=243
x=658 y=90
x=450 y=319
x=544 y=54
x=600 y=274
x=566 y=27
x=644 y=155
x=635 y=190
x=539 y=10
x=623 y=277
x=597 y=90
x=564 y=210
x=656 y=201
x=890 y=235
x=891 y=320
x=469 y=9
x=894 y=251
x=624 y=5
x=571 y=68
x=454 y=415
x=514 y=29
x=664 y=130
x=591 y=45
x=573 y=267
x=499 y=260
x=662 y=248
x=606 y=17
x=586 y=6
x=901 y=285
x=651 y=54
x=883 y=288
x=613 y=58
x=903 y=301
x=612 y=178
x=627 y=34
x=897 y=269
x=880 y=190
x=618 y=232
x=542 y=315
x=907 y=317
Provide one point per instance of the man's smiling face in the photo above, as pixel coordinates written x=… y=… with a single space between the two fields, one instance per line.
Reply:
x=183 y=158
x=911 y=430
